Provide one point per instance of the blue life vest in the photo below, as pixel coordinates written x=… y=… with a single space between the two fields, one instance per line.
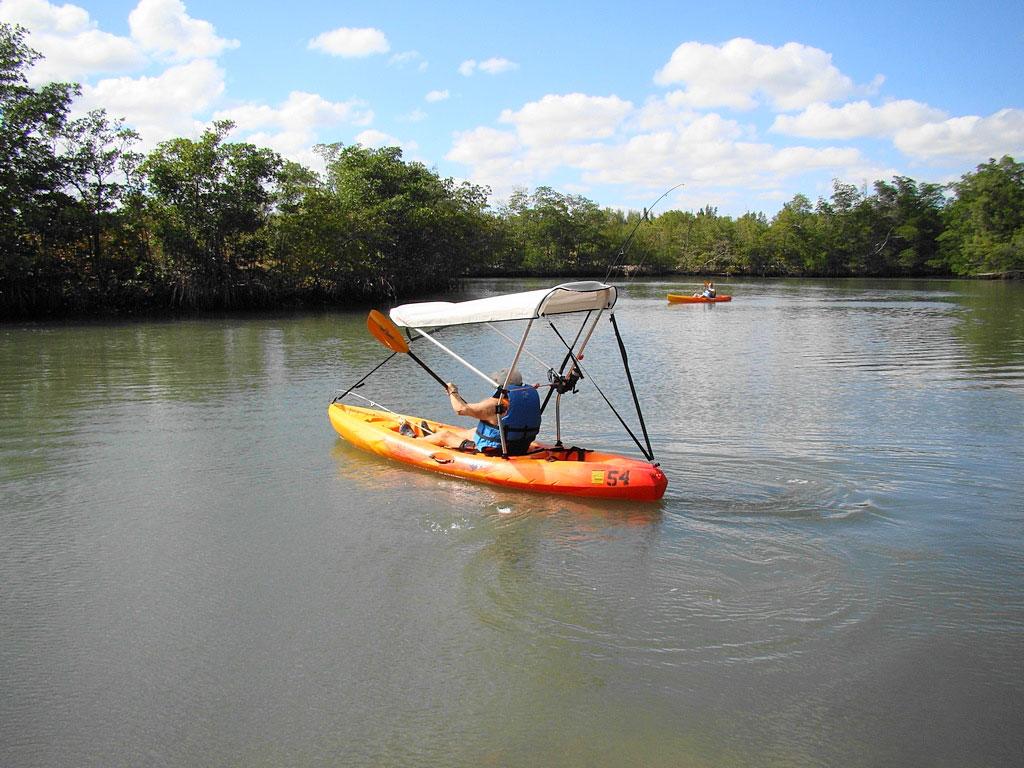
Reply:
x=521 y=423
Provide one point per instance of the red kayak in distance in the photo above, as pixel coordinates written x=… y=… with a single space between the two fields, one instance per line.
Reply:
x=678 y=298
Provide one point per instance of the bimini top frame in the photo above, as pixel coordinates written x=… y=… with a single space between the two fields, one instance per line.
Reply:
x=529 y=305
x=585 y=296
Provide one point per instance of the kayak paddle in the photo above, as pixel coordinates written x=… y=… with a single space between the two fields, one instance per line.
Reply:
x=387 y=333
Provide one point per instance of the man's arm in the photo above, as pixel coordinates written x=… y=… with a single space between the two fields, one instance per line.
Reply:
x=483 y=410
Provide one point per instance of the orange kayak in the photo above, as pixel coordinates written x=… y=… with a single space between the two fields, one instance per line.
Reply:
x=550 y=469
x=678 y=298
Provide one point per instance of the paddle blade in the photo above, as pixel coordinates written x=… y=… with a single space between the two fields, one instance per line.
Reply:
x=386 y=332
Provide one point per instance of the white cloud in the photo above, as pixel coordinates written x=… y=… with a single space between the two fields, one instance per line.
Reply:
x=657 y=113
x=740 y=72
x=793 y=160
x=573 y=117
x=857 y=119
x=165 y=28
x=87 y=53
x=376 y=139
x=572 y=141
x=497 y=66
x=299 y=110
x=660 y=160
x=72 y=47
x=710 y=128
x=473 y=147
x=489 y=67
x=293 y=145
x=494 y=158
x=160 y=107
x=351 y=43
x=41 y=16
x=971 y=137
x=707 y=152
x=293 y=127
x=409 y=59
x=665 y=158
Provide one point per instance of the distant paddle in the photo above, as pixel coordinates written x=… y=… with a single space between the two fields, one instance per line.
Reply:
x=387 y=333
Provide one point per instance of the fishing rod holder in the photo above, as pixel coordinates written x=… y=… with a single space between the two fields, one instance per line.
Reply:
x=562 y=384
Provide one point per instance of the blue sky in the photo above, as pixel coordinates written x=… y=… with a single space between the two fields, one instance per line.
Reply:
x=744 y=104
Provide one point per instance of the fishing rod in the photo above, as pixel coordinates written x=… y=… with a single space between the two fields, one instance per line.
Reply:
x=620 y=257
x=363 y=380
x=577 y=368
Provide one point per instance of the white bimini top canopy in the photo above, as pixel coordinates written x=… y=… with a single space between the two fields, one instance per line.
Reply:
x=568 y=297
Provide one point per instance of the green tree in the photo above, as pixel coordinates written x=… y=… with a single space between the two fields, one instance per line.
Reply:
x=791 y=237
x=677 y=232
x=908 y=220
x=649 y=250
x=841 y=233
x=510 y=257
x=380 y=227
x=752 y=251
x=99 y=167
x=554 y=233
x=985 y=222
x=210 y=204
x=32 y=206
x=716 y=251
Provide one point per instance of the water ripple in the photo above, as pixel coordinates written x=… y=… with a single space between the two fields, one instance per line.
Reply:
x=709 y=593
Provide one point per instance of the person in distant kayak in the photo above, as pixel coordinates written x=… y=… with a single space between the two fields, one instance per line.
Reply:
x=708 y=292
x=518 y=410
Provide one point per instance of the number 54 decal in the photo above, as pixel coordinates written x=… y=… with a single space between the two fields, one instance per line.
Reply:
x=611 y=477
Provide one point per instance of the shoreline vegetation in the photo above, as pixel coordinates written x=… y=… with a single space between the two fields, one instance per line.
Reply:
x=90 y=227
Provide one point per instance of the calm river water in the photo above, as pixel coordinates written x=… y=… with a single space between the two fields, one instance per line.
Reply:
x=196 y=571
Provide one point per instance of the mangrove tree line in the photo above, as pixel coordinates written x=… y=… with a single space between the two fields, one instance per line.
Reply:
x=89 y=224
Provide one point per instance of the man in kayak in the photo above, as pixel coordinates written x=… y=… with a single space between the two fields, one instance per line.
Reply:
x=518 y=410
x=708 y=292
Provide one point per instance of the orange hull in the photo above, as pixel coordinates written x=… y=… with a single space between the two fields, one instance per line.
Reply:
x=678 y=298
x=550 y=470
